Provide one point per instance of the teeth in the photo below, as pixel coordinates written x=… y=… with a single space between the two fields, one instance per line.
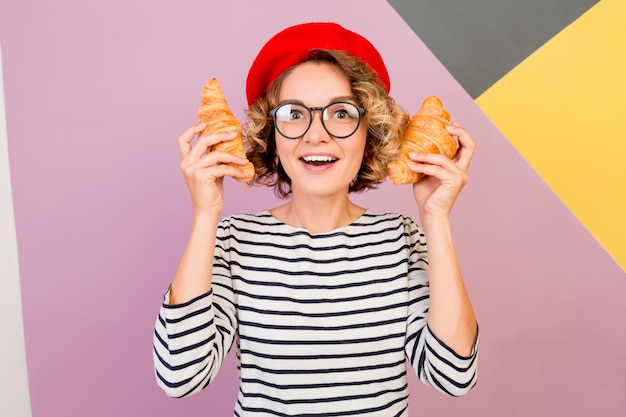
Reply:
x=318 y=158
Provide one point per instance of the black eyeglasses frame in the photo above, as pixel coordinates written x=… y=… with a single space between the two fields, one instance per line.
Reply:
x=360 y=110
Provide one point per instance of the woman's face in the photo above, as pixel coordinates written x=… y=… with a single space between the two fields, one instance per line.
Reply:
x=317 y=163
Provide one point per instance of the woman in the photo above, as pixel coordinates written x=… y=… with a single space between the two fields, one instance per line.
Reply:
x=324 y=298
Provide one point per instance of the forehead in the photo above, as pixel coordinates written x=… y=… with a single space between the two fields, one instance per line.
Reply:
x=315 y=83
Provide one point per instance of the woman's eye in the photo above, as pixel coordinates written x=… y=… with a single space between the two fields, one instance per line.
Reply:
x=295 y=115
x=289 y=112
x=342 y=114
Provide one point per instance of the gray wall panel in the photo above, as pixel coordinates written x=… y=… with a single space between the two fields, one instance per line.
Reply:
x=479 y=41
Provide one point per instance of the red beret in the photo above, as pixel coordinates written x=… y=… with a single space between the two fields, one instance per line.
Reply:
x=292 y=46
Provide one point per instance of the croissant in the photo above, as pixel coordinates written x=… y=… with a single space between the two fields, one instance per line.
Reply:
x=425 y=133
x=214 y=111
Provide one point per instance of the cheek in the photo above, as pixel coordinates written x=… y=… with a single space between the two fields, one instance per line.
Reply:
x=360 y=146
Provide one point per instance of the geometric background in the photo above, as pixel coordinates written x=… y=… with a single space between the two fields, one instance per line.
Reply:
x=565 y=112
x=551 y=77
x=480 y=41
x=95 y=214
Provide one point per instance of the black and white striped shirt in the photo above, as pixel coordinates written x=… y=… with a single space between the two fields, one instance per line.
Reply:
x=324 y=323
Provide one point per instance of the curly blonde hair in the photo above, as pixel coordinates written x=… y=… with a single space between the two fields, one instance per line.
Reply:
x=385 y=121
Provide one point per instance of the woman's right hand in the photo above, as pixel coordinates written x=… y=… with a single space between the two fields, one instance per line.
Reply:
x=204 y=172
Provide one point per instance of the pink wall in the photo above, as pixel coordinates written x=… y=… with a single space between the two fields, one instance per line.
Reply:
x=96 y=95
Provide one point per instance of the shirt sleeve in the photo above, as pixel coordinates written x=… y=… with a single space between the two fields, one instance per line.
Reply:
x=435 y=364
x=192 y=339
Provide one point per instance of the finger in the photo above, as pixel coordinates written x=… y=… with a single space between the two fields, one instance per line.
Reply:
x=435 y=159
x=206 y=142
x=467 y=146
x=212 y=165
x=213 y=173
x=452 y=177
x=215 y=158
x=441 y=167
x=184 y=140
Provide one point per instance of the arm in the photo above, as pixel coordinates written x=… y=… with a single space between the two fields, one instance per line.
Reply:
x=196 y=324
x=204 y=175
x=450 y=316
x=433 y=360
x=192 y=339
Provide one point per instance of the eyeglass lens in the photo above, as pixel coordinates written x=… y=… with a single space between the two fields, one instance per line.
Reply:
x=340 y=119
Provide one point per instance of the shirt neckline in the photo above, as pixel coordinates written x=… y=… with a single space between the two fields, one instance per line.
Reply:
x=359 y=219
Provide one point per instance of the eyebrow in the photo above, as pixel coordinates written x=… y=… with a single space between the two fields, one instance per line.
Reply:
x=332 y=100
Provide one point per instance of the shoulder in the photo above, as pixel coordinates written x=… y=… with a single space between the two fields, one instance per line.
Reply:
x=395 y=223
x=372 y=219
x=262 y=218
x=256 y=222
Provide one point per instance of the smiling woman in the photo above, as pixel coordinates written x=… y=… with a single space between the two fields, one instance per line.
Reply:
x=383 y=118
x=325 y=300
x=318 y=83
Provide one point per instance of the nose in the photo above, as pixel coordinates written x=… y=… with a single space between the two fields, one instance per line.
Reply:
x=316 y=132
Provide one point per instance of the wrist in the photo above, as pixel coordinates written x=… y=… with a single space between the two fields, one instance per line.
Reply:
x=205 y=218
x=434 y=221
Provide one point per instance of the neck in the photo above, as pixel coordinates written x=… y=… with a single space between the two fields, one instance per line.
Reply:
x=318 y=215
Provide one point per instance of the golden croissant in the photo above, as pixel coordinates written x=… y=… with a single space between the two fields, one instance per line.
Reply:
x=425 y=133
x=214 y=111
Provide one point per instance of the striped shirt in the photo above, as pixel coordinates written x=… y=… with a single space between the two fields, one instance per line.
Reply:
x=323 y=323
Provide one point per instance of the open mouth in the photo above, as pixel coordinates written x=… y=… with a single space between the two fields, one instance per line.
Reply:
x=318 y=160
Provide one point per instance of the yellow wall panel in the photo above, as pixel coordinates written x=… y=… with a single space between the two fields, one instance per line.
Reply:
x=564 y=109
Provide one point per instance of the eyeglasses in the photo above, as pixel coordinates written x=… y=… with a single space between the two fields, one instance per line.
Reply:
x=340 y=119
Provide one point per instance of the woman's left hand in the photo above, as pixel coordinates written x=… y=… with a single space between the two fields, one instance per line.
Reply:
x=444 y=178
